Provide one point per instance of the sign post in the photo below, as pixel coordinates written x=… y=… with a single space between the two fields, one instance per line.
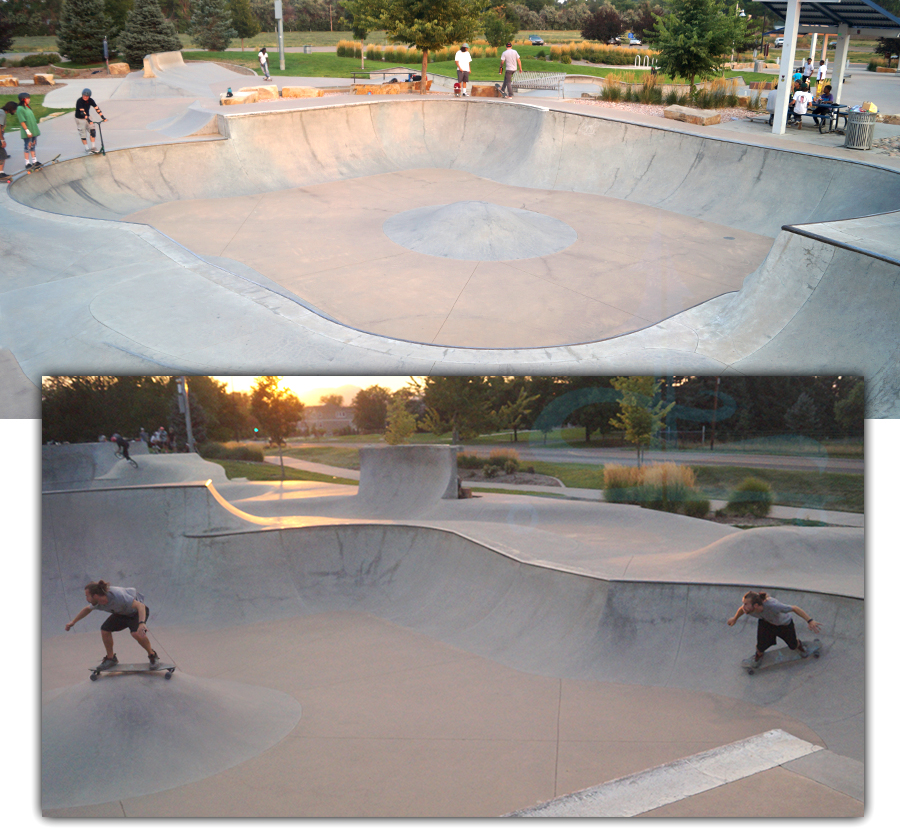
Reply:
x=279 y=18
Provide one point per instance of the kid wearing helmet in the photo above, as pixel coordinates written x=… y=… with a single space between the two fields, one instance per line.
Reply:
x=82 y=119
x=30 y=131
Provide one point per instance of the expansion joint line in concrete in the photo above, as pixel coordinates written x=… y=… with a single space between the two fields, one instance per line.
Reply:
x=647 y=790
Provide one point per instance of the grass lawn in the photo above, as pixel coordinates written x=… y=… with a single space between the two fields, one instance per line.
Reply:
x=344 y=457
x=831 y=490
x=37 y=105
x=271 y=472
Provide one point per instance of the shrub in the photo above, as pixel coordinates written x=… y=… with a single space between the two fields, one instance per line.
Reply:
x=466 y=461
x=502 y=457
x=752 y=497
x=490 y=470
x=235 y=452
x=695 y=506
x=40 y=59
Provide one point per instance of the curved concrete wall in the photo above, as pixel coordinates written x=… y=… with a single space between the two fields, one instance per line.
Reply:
x=753 y=188
x=201 y=563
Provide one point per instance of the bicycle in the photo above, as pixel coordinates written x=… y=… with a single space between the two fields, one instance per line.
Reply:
x=120 y=455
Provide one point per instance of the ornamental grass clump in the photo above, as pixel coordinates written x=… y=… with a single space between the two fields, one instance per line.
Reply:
x=668 y=487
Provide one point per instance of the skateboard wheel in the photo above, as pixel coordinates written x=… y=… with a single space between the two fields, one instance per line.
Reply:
x=94 y=677
x=168 y=675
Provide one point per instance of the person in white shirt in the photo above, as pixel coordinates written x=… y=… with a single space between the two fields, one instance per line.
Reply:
x=509 y=60
x=821 y=72
x=802 y=100
x=264 y=62
x=463 y=62
x=808 y=69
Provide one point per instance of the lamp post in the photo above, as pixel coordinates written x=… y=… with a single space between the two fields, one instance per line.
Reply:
x=279 y=14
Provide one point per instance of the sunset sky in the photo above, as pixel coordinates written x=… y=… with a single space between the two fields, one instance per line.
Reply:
x=310 y=388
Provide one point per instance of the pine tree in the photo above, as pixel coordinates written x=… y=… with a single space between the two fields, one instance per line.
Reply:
x=211 y=27
x=82 y=26
x=6 y=30
x=146 y=32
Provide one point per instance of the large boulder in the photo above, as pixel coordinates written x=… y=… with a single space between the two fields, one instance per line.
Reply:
x=690 y=115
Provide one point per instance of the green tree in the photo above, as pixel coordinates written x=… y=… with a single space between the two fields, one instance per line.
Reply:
x=695 y=36
x=640 y=412
x=499 y=27
x=401 y=423
x=243 y=20
x=425 y=24
x=6 y=29
x=211 y=27
x=370 y=409
x=277 y=411
x=459 y=405
x=147 y=31
x=514 y=414
x=850 y=408
x=117 y=12
x=82 y=26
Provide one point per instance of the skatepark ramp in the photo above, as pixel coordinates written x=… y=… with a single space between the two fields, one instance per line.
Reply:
x=91 y=465
x=201 y=563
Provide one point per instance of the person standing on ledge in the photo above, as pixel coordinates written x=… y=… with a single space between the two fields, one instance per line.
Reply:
x=126 y=609
x=83 y=119
x=774 y=622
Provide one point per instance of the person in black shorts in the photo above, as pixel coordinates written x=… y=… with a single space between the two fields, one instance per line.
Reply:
x=82 y=119
x=126 y=609
x=774 y=622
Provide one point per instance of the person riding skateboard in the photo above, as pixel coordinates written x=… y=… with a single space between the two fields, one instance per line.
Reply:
x=774 y=621
x=127 y=610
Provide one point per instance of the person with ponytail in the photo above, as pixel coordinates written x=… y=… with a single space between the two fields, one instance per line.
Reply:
x=126 y=609
x=774 y=621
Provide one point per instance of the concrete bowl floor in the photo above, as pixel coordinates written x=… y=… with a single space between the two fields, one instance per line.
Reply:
x=630 y=266
x=397 y=724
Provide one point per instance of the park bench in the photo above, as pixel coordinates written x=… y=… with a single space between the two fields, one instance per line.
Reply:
x=539 y=80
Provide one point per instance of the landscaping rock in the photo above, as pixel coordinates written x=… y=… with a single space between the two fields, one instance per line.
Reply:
x=239 y=98
x=484 y=91
x=43 y=80
x=119 y=69
x=703 y=117
x=264 y=92
x=301 y=92
x=8 y=80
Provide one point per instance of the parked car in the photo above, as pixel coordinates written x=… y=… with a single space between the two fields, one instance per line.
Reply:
x=779 y=42
x=535 y=40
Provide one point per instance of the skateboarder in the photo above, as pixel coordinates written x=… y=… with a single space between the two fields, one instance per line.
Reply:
x=30 y=130
x=774 y=621
x=127 y=610
x=264 y=62
x=82 y=119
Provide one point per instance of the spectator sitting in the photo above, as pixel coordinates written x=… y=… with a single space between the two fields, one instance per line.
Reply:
x=825 y=98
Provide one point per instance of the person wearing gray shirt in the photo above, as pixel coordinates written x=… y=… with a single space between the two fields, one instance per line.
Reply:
x=126 y=609
x=774 y=622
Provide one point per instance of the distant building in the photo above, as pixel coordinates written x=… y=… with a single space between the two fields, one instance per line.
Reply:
x=329 y=419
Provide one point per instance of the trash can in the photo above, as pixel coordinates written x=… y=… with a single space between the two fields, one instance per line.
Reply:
x=307 y=49
x=860 y=127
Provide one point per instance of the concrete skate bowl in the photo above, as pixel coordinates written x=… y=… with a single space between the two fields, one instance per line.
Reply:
x=386 y=158
x=207 y=566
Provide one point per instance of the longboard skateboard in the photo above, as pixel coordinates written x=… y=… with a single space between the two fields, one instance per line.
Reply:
x=133 y=668
x=30 y=170
x=781 y=656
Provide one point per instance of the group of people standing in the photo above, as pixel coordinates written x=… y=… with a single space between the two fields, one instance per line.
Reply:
x=509 y=63
x=27 y=121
